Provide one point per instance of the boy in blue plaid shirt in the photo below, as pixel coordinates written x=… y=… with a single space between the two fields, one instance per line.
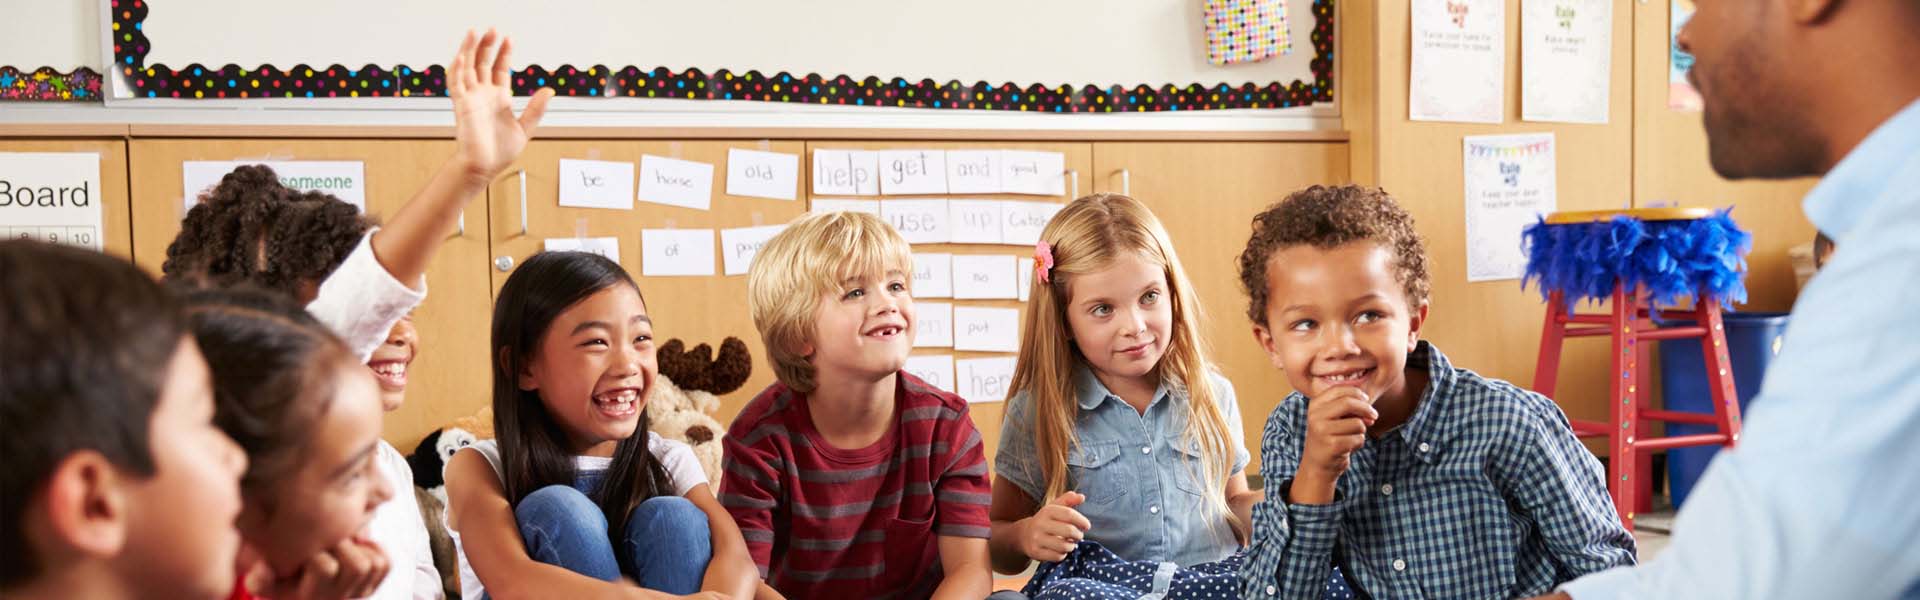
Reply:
x=1416 y=478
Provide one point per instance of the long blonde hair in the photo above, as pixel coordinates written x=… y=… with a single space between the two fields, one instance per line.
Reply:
x=1085 y=238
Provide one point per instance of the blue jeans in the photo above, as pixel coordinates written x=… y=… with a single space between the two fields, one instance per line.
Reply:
x=666 y=547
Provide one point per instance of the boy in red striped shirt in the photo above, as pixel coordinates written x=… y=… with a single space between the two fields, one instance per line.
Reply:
x=849 y=477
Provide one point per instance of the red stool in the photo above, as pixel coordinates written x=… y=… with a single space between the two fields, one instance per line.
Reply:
x=1631 y=321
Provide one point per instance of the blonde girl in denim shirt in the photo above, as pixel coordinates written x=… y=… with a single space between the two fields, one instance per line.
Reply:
x=1118 y=431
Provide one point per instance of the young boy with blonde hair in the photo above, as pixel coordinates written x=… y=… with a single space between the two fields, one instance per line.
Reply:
x=849 y=477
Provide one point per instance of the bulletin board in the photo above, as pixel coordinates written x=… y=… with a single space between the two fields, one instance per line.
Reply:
x=1073 y=56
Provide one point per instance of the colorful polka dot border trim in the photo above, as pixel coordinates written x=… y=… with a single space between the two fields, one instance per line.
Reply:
x=131 y=47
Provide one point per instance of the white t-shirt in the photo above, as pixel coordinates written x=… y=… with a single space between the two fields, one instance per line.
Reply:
x=400 y=530
x=682 y=467
x=360 y=301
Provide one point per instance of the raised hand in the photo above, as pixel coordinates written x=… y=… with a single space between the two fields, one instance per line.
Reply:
x=489 y=136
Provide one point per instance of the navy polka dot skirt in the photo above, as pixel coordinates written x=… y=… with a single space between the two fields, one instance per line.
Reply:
x=1093 y=572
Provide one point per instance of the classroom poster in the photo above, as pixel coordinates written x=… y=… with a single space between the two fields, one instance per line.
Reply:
x=1680 y=93
x=52 y=197
x=1459 y=61
x=1566 y=60
x=344 y=179
x=1510 y=184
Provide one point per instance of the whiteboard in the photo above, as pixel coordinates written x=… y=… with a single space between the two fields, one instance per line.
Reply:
x=1051 y=42
x=63 y=34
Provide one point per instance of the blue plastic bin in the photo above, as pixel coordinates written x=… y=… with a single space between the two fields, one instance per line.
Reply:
x=1753 y=338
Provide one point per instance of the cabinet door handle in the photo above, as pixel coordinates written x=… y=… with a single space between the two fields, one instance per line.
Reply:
x=523 y=206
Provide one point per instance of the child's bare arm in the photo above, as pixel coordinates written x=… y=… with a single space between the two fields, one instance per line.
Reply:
x=731 y=569
x=964 y=560
x=477 y=508
x=489 y=137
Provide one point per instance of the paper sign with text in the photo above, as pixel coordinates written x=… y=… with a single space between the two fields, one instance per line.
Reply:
x=344 y=179
x=676 y=182
x=756 y=174
x=596 y=184
x=676 y=252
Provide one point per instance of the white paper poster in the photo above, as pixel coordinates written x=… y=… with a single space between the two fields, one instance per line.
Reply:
x=986 y=329
x=608 y=247
x=932 y=275
x=975 y=221
x=52 y=197
x=1566 y=60
x=989 y=277
x=984 y=379
x=1033 y=173
x=676 y=252
x=596 y=184
x=846 y=172
x=1459 y=61
x=738 y=246
x=932 y=325
x=909 y=172
x=871 y=207
x=973 y=171
x=1510 y=184
x=936 y=370
x=919 y=221
x=1022 y=222
x=756 y=174
x=676 y=182
x=344 y=179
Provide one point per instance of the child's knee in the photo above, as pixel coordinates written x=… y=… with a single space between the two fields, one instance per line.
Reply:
x=560 y=507
x=670 y=520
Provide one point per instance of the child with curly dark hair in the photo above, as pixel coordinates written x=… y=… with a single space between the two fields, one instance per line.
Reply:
x=363 y=281
x=1413 y=476
x=356 y=278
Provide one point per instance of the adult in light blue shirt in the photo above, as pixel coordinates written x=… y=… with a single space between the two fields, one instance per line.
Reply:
x=1821 y=499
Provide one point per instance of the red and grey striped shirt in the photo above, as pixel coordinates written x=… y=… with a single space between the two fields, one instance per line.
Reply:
x=826 y=522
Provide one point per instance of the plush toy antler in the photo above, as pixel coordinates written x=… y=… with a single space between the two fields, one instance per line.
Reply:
x=698 y=369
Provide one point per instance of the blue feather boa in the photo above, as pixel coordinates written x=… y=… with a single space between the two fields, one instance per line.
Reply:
x=1672 y=259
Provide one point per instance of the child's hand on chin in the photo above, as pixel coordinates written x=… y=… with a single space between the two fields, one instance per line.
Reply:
x=353 y=568
x=1337 y=423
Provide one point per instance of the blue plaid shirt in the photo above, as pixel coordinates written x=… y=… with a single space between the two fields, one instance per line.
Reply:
x=1483 y=493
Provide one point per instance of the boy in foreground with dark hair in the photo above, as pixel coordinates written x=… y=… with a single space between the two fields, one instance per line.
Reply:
x=115 y=481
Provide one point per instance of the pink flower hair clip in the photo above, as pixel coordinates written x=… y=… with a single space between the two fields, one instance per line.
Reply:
x=1043 y=261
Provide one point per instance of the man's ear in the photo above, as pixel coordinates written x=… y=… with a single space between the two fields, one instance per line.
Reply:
x=86 y=502
x=1808 y=12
